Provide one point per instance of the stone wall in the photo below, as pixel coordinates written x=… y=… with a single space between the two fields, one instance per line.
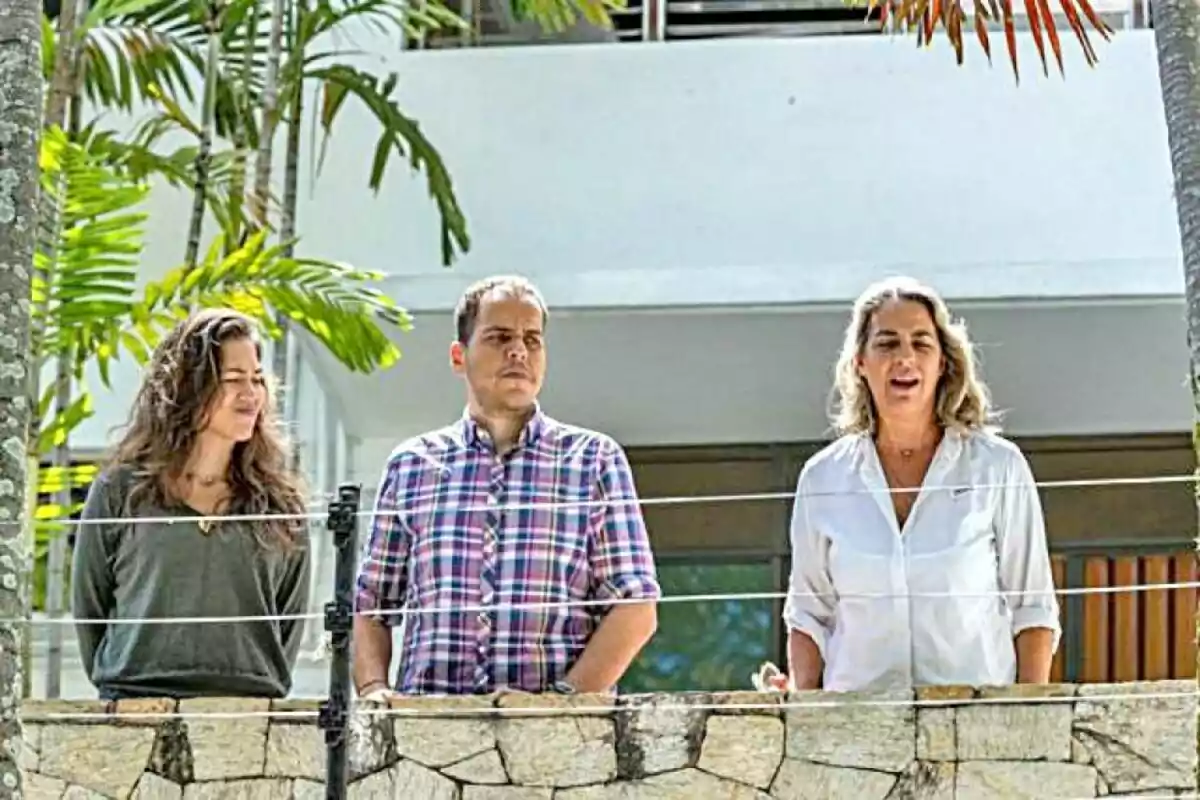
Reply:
x=1037 y=742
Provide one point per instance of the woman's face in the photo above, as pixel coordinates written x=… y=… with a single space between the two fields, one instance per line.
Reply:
x=902 y=360
x=242 y=393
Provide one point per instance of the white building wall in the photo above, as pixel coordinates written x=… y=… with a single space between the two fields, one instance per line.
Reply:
x=760 y=171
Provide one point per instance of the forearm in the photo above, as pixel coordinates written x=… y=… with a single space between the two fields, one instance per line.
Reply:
x=804 y=661
x=1034 y=655
x=618 y=639
x=372 y=653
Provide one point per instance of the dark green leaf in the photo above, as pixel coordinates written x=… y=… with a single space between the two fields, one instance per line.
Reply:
x=401 y=136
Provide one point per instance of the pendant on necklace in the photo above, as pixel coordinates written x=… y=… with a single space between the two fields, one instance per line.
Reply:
x=205 y=525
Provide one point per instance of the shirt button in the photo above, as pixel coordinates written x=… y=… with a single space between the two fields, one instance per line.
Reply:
x=487 y=599
x=492 y=501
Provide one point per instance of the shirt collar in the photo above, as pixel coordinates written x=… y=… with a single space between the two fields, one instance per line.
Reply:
x=475 y=436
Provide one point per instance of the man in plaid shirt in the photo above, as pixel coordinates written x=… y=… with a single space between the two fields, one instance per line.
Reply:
x=506 y=536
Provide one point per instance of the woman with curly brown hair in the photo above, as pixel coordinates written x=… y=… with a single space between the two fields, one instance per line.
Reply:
x=201 y=445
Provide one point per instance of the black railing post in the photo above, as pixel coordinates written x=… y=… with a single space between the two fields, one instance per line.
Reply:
x=339 y=619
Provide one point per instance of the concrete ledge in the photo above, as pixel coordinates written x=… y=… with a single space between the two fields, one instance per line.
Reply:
x=965 y=743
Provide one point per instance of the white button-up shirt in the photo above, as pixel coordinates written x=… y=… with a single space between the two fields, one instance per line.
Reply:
x=974 y=532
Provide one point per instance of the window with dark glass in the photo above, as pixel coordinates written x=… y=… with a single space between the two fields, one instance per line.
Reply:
x=709 y=645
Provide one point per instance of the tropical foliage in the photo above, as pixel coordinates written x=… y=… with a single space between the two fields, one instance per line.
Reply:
x=925 y=17
x=158 y=56
x=139 y=54
x=155 y=58
x=88 y=304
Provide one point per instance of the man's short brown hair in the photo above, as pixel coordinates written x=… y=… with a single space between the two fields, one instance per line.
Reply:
x=466 y=313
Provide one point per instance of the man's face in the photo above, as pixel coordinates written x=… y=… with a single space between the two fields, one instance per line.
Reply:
x=504 y=362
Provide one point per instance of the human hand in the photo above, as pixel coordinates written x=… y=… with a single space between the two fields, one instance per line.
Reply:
x=769 y=678
x=376 y=692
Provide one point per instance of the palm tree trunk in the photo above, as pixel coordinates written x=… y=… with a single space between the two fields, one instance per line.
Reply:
x=208 y=112
x=63 y=88
x=62 y=84
x=270 y=118
x=57 y=558
x=296 y=11
x=280 y=365
x=262 y=179
x=237 y=181
x=21 y=99
x=1177 y=34
x=64 y=386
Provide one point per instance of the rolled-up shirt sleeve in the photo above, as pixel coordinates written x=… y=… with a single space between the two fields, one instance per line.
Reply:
x=1025 y=573
x=382 y=575
x=809 y=607
x=622 y=560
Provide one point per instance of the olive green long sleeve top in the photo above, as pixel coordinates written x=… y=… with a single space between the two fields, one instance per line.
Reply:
x=175 y=569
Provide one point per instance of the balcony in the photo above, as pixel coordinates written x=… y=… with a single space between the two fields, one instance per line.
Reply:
x=493 y=24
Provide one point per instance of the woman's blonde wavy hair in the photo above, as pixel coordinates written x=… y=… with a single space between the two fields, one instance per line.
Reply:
x=962 y=401
x=180 y=384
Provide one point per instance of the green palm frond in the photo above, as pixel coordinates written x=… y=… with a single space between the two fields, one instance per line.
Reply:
x=86 y=278
x=137 y=156
x=333 y=302
x=137 y=51
x=54 y=479
x=54 y=432
x=386 y=17
x=400 y=136
x=85 y=271
x=48 y=518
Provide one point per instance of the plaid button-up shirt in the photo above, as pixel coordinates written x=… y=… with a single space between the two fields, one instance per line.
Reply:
x=459 y=526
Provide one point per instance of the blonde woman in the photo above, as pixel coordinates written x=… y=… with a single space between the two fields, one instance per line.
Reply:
x=918 y=545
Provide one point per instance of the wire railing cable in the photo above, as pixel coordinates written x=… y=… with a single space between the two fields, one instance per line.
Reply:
x=334 y=713
x=423 y=504
x=606 y=603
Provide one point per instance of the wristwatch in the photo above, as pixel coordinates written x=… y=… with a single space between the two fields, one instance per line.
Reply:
x=563 y=686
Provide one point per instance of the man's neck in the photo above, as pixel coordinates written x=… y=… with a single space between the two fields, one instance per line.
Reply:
x=504 y=427
x=908 y=436
x=208 y=460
